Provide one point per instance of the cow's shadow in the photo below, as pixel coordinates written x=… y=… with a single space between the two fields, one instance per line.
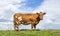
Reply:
x=29 y=30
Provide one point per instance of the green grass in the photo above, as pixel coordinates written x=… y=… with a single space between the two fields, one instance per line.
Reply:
x=30 y=33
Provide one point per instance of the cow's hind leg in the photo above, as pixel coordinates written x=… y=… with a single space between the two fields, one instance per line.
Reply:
x=16 y=27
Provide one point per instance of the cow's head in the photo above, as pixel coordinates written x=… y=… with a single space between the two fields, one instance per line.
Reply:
x=40 y=15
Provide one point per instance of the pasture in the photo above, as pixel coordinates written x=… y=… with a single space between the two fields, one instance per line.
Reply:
x=30 y=33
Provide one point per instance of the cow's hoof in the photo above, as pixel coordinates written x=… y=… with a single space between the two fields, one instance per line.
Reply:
x=16 y=30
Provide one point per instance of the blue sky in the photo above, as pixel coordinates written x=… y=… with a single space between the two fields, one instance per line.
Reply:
x=33 y=3
x=9 y=8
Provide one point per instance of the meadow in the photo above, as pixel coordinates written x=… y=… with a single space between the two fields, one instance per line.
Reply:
x=30 y=33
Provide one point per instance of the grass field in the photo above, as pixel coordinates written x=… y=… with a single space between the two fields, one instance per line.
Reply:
x=30 y=33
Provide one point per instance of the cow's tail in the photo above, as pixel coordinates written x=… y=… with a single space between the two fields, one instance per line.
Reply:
x=15 y=22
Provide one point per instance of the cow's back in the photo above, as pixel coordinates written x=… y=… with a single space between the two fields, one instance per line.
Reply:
x=26 y=15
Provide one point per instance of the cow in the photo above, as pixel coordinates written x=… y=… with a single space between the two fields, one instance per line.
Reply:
x=27 y=19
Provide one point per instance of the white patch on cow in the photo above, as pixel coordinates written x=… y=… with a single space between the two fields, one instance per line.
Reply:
x=17 y=22
x=19 y=18
x=16 y=16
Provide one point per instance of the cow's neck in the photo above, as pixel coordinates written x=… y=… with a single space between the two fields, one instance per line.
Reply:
x=38 y=19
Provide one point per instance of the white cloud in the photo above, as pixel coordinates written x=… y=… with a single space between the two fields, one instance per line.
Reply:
x=6 y=22
x=6 y=26
x=6 y=2
x=8 y=5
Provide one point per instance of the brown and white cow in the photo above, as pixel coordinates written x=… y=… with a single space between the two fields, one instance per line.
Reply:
x=27 y=19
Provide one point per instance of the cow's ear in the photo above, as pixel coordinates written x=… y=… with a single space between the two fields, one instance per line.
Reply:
x=40 y=12
x=37 y=13
x=44 y=13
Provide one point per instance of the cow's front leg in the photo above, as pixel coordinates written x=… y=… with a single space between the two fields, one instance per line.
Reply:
x=34 y=26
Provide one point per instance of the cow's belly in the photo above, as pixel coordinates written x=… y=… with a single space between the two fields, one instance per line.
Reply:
x=26 y=23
